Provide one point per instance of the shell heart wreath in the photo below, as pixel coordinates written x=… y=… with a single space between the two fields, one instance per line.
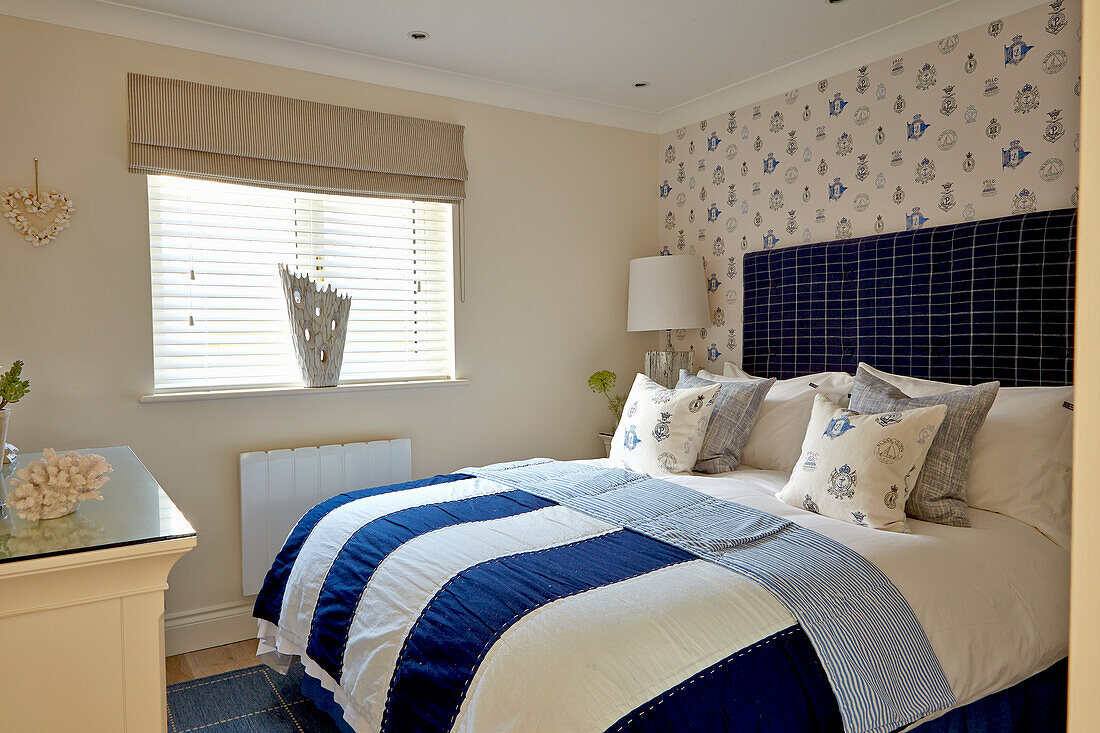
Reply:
x=19 y=204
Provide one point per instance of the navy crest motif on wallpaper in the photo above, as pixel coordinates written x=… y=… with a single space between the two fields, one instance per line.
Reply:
x=1016 y=51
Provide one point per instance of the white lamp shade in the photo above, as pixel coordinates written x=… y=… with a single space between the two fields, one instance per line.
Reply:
x=667 y=292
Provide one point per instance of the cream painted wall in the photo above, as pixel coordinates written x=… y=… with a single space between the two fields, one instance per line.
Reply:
x=555 y=210
x=1084 y=618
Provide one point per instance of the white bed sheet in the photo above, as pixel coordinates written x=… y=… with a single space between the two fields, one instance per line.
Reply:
x=993 y=598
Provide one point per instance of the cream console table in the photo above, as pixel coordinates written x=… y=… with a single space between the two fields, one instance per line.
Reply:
x=82 y=608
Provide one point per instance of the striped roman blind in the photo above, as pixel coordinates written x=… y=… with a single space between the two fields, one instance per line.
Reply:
x=184 y=128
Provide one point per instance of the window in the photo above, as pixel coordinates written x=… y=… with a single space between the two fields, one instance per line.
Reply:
x=219 y=316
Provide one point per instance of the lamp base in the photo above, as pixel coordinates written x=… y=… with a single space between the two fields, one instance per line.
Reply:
x=663 y=367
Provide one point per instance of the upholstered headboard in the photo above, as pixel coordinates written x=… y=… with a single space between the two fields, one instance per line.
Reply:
x=967 y=303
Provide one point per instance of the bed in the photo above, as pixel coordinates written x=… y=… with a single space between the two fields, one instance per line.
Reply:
x=562 y=596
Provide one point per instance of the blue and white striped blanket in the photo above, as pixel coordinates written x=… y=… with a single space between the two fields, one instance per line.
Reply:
x=558 y=596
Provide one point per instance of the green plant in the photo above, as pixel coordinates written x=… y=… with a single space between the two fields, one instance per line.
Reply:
x=12 y=388
x=602 y=382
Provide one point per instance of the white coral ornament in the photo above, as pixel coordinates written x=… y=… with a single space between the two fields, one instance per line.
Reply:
x=53 y=486
x=17 y=204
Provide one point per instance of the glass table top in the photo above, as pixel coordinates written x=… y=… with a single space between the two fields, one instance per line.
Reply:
x=134 y=510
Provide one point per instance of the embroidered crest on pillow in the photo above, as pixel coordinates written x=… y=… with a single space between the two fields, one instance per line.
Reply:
x=861 y=468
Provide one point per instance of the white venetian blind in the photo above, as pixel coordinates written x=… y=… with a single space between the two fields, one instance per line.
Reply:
x=219 y=316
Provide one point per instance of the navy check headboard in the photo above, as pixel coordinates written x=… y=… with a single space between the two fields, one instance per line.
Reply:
x=964 y=303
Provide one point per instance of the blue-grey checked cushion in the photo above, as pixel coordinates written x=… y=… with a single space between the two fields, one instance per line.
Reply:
x=735 y=411
x=940 y=493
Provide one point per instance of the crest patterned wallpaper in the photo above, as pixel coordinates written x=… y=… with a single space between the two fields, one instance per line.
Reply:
x=981 y=124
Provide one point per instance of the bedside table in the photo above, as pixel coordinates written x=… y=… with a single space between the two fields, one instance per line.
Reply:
x=606 y=438
x=82 y=607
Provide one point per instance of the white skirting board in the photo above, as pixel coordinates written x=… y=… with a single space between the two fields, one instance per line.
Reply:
x=203 y=628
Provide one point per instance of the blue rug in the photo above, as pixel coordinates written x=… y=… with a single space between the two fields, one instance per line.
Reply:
x=252 y=700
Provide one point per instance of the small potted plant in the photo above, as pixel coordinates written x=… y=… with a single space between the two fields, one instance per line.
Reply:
x=12 y=389
x=602 y=382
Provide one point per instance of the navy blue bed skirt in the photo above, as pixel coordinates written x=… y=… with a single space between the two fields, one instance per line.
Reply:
x=1036 y=705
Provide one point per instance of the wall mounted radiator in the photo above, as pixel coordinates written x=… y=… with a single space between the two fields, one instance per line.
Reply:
x=279 y=486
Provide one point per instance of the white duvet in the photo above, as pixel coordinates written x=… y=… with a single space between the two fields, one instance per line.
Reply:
x=993 y=598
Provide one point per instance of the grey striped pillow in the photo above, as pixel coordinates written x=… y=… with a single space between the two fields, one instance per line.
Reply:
x=736 y=408
x=940 y=493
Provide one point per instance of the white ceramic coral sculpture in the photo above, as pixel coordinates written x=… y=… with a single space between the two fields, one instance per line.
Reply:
x=54 y=485
x=318 y=327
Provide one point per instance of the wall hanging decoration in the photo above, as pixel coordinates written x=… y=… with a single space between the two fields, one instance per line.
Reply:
x=54 y=485
x=318 y=327
x=19 y=205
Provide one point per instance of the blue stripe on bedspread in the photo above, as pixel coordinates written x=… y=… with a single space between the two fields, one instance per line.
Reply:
x=774 y=685
x=452 y=635
x=269 y=602
x=372 y=543
x=874 y=651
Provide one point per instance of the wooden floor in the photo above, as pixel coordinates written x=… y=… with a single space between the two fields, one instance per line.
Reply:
x=215 y=660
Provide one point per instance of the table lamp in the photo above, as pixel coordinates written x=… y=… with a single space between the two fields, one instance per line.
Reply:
x=667 y=292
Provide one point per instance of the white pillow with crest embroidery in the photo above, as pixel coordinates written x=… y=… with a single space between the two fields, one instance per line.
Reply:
x=860 y=469
x=662 y=430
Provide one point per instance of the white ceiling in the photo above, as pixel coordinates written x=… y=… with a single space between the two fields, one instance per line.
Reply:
x=572 y=58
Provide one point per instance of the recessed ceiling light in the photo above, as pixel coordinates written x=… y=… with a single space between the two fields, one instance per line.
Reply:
x=641 y=84
x=419 y=35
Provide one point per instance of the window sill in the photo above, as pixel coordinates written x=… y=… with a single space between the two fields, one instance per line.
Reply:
x=231 y=394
